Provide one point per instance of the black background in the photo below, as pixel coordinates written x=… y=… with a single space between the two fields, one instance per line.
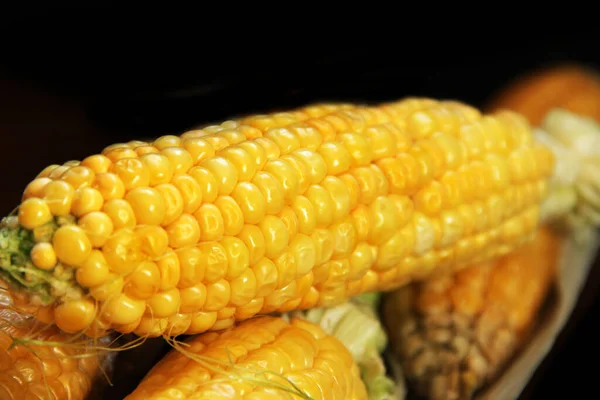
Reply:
x=118 y=83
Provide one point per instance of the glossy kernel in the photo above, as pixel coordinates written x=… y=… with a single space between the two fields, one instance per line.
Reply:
x=173 y=202
x=272 y=191
x=210 y=221
x=34 y=212
x=109 y=185
x=94 y=271
x=184 y=231
x=181 y=161
x=225 y=173
x=132 y=172
x=75 y=315
x=207 y=182
x=233 y=217
x=35 y=188
x=242 y=161
x=159 y=168
x=43 y=256
x=147 y=204
x=86 y=200
x=120 y=212
x=78 y=176
x=190 y=192
x=336 y=157
x=251 y=202
x=287 y=175
x=71 y=245
x=98 y=226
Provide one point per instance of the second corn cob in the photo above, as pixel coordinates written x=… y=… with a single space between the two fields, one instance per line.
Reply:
x=454 y=334
x=271 y=213
x=40 y=362
x=261 y=358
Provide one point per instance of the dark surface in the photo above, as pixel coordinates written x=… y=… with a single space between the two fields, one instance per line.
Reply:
x=61 y=101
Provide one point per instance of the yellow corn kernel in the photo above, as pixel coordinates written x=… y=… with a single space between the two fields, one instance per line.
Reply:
x=241 y=160
x=86 y=200
x=198 y=148
x=122 y=251
x=172 y=200
x=272 y=191
x=76 y=315
x=181 y=161
x=144 y=281
x=109 y=185
x=160 y=169
x=148 y=205
x=170 y=269
x=98 y=227
x=94 y=271
x=254 y=241
x=251 y=202
x=214 y=259
x=78 y=176
x=71 y=245
x=35 y=188
x=43 y=256
x=166 y=141
x=285 y=174
x=122 y=309
x=190 y=192
x=224 y=171
x=34 y=212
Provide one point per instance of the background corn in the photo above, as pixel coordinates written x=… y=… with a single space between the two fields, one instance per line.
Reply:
x=455 y=333
x=272 y=213
x=249 y=360
x=46 y=365
x=573 y=87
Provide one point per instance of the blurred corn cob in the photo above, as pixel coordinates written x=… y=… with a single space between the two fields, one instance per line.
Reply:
x=272 y=213
x=573 y=87
x=40 y=362
x=454 y=334
x=261 y=358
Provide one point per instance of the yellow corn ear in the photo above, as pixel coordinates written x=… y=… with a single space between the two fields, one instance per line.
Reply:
x=261 y=358
x=272 y=213
x=454 y=334
x=58 y=369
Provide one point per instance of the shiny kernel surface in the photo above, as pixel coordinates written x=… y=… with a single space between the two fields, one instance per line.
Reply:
x=275 y=349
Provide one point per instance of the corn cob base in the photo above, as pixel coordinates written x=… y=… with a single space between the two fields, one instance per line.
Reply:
x=455 y=334
x=273 y=213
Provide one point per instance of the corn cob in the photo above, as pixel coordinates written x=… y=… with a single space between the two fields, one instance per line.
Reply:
x=56 y=370
x=455 y=333
x=270 y=214
x=261 y=358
